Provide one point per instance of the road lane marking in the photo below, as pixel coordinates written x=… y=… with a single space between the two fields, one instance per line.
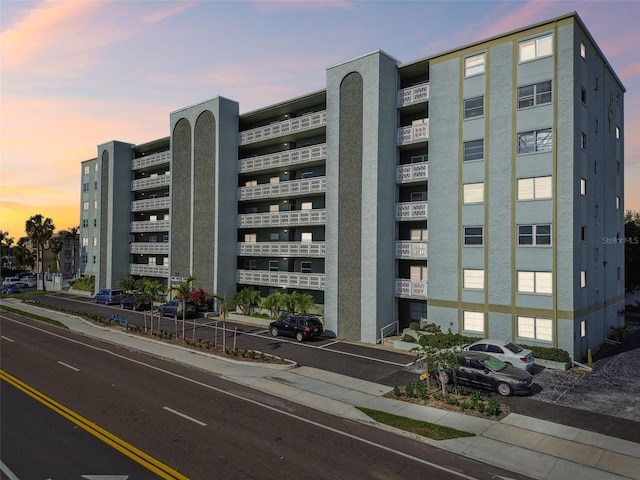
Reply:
x=68 y=366
x=7 y=339
x=138 y=456
x=328 y=344
x=184 y=416
x=7 y=471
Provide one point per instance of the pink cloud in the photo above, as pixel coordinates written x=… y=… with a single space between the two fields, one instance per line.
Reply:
x=171 y=11
x=290 y=5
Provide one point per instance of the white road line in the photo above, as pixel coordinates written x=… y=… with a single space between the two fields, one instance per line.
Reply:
x=68 y=366
x=184 y=416
x=328 y=344
x=4 y=469
x=7 y=339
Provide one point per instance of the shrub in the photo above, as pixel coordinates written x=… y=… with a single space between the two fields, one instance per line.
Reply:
x=85 y=284
x=443 y=341
x=396 y=391
x=548 y=353
x=414 y=326
x=620 y=334
x=409 y=338
x=431 y=328
x=493 y=407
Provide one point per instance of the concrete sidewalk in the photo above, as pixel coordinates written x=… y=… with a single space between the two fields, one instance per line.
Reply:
x=517 y=443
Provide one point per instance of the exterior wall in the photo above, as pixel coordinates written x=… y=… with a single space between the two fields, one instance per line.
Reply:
x=88 y=218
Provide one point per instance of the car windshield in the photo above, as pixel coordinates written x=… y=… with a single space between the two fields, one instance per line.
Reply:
x=494 y=364
x=513 y=347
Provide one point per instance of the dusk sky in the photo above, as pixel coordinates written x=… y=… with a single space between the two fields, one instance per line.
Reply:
x=75 y=74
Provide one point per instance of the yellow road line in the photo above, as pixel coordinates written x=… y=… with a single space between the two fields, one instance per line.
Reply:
x=138 y=456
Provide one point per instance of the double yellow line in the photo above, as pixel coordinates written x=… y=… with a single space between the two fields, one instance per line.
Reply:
x=148 y=462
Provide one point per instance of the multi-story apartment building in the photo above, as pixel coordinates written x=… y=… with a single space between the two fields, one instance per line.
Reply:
x=505 y=157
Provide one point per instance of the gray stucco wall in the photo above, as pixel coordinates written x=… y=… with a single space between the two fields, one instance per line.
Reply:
x=181 y=208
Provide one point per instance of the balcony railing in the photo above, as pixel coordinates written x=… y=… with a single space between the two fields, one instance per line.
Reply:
x=149 y=248
x=285 y=127
x=285 y=158
x=148 y=270
x=413 y=133
x=311 y=281
x=151 y=160
x=411 y=211
x=408 y=249
x=282 y=249
x=150 y=226
x=415 y=94
x=289 y=188
x=407 y=288
x=283 y=219
x=413 y=172
x=160 y=203
x=151 y=182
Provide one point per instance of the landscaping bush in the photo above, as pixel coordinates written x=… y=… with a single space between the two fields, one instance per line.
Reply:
x=409 y=338
x=85 y=284
x=443 y=341
x=619 y=334
x=414 y=326
x=548 y=353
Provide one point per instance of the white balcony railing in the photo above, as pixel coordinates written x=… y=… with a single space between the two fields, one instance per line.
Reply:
x=285 y=158
x=310 y=281
x=407 y=250
x=283 y=219
x=148 y=270
x=282 y=249
x=151 y=182
x=407 y=288
x=415 y=94
x=150 y=226
x=151 y=160
x=413 y=133
x=149 y=248
x=411 y=211
x=289 y=188
x=413 y=172
x=285 y=127
x=161 y=203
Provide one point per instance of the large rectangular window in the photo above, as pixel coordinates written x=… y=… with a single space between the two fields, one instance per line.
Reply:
x=250 y=237
x=473 y=193
x=535 y=141
x=536 y=94
x=473 y=321
x=535 y=328
x=305 y=267
x=474 y=107
x=274 y=265
x=535 y=188
x=536 y=48
x=474 y=150
x=473 y=279
x=535 y=282
x=473 y=235
x=474 y=65
x=534 y=234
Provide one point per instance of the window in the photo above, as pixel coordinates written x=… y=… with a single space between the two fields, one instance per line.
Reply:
x=534 y=234
x=473 y=321
x=535 y=188
x=473 y=279
x=617 y=133
x=418 y=272
x=474 y=150
x=305 y=267
x=85 y=241
x=534 y=282
x=274 y=237
x=85 y=223
x=152 y=261
x=536 y=48
x=250 y=264
x=85 y=206
x=307 y=174
x=306 y=237
x=273 y=265
x=583 y=232
x=306 y=206
x=153 y=218
x=165 y=262
x=583 y=328
x=419 y=235
x=536 y=94
x=95 y=167
x=95 y=241
x=474 y=65
x=473 y=192
x=535 y=328
x=474 y=107
x=95 y=184
x=95 y=222
x=583 y=141
x=250 y=238
x=473 y=235
x=583 y=50
x=251 y=183
x=583 y=186
x=583 y=278
x=85 y=187
x=418 y=196
x=274 y=180
x=583 y=95
x=274 y=208
x=87 y=169
x=95 y=204
x=94 y=259
x=535 y=141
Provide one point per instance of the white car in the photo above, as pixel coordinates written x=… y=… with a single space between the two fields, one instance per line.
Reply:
x=506 y=351
x=14 y=281
x=29 y=280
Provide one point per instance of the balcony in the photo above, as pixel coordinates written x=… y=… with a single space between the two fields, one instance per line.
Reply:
x=411 y=211
x=148 y=270
x=414 y=172
x=287 y=158
x=161 y=203
x=406 y=249
x=285 y=127
x=413 y=133
x=151 y=182
x=310 y=281
x=149 y=248
x=151 y=226
x=151 y=160
x=282 y=249
x=283 y=219
x=290 y=188
x=406 y=288
x=412 y=95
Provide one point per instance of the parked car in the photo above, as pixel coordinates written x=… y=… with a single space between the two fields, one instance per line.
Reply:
x=30 y=281
x=130 y=302
x=108 y=296
x=506 y=351
x=173 y=308
x=14 y=281
x=480 y=370
x=11 y=288
x=301 y=327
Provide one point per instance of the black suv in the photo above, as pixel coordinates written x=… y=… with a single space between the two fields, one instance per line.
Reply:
x=301 y=327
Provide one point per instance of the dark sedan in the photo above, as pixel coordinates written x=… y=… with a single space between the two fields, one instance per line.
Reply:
x=12 y=288
x=484 y=371
x=173 y=308
x=132 y=303
x=300 y=327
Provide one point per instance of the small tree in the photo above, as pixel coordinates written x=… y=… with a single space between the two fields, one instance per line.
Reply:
x=275 y=303
x=200 y=298
x=128 y=284
x=56 y=245
x=246 y=299
x=224 y=312
x=40 y=230
x=183 y=290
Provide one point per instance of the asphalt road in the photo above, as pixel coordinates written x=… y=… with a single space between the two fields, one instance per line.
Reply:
x=195 y=422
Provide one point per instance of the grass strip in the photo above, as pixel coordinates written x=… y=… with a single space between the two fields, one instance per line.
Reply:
x=34 y=316
x=419 y=427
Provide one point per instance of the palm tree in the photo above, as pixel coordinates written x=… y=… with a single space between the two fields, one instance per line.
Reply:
x=22 y=256
x=224 y=311
x=72 y=233
x=183 y=290
x=39 y=230
x=56 y=245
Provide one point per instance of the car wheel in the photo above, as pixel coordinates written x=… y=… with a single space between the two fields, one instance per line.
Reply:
x=274 y=332
x=504 y=389
x=299 y=336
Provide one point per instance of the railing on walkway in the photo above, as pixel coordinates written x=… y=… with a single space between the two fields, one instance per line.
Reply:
x=382 y=330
